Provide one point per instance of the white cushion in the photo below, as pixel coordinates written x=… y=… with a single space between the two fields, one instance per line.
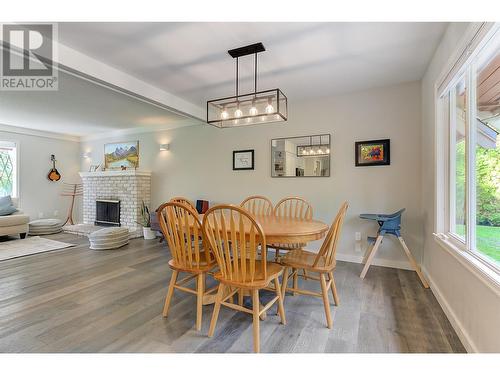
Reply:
x=10 y=220
x=109 y=238
x=46 y=223
x=109 y=232
x=45 y=226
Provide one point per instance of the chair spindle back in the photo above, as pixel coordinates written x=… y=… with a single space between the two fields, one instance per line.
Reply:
x=329 y=248
x=184 y=201
x=294 y=207
x=237 y=241
x=258 y=205
x=183 y=231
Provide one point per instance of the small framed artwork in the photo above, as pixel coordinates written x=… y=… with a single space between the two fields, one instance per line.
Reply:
x=243 y=160
x=121 y=155
x=369 y=153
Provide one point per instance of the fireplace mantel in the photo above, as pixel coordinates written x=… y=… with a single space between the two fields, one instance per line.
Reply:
x=117 y=173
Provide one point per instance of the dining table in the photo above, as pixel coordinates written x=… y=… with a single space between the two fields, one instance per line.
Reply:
x=284 y=230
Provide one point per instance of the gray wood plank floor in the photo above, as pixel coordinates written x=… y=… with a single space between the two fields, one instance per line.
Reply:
x=80 y=300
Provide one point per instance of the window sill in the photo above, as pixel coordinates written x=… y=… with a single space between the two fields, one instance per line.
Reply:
x=487 y=275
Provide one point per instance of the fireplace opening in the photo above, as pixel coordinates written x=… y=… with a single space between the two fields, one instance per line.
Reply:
x=107 y=212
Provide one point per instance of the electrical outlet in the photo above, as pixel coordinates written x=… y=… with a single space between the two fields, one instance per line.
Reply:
x=357 y=247
x=357 y=236
x=40 y=215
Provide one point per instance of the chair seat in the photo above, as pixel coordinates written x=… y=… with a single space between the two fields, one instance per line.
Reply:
x=305 y=259
x=195 y=268
x=287 y=246
x=272 y=270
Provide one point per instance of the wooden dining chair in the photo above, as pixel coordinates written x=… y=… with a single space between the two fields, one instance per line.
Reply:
x=184 y=201
x=291 y=207
x=322 y=263
x=183 y=231
x=239 y=245
x=258 y=205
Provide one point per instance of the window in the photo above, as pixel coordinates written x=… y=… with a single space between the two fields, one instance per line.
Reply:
x=487 y=155
x=458 y=101
x=472 y=105
x=8 y=169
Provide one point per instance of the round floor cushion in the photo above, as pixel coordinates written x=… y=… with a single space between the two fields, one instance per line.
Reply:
x=45 y=226
x=109 y=238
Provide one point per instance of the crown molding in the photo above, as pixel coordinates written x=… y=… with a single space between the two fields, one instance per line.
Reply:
x=38 y=133
x=141 y=130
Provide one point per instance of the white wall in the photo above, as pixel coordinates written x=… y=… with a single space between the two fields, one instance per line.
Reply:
x=37 y=194
x=472 y=307
x=199 y=163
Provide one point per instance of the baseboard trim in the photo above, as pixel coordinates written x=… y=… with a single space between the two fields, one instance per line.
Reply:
x=404 y=265
x=450 y=314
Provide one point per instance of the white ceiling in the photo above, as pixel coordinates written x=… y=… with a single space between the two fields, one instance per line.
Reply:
x=81 y=108
x=190 y=61
x=305 y=60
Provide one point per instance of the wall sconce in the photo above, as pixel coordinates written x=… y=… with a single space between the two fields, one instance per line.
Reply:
x=87 y=155
x=165 y=147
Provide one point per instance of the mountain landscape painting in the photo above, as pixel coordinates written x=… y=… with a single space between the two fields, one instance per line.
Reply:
x=123 y=154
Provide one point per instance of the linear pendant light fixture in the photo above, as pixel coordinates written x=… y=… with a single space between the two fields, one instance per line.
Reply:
x=258 y=107
x=313 y=149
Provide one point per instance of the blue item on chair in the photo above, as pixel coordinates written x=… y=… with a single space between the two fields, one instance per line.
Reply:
x=388 y=224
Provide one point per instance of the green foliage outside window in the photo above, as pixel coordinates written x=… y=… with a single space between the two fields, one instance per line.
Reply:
x=6 y=173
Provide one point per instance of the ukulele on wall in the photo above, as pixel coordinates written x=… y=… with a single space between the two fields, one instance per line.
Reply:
x=54 y=174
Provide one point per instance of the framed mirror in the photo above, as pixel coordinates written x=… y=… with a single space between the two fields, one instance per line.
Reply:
x=307 y=156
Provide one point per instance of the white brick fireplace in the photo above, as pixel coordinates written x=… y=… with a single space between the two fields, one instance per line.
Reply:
x=130 y=187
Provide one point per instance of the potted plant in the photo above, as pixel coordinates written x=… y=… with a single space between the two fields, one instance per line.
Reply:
x=149 y=234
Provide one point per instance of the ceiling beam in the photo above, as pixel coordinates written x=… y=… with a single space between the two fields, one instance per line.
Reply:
x=86 y=67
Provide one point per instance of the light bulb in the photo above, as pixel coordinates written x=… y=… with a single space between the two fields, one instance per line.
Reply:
x=327 y=150
x=253 y=110
x=269 y=108
x=320 y=151
x=224 y=115
x=238 y=113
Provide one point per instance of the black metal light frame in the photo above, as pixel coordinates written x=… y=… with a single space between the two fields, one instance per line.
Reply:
x=310 y=145
x=275 y=116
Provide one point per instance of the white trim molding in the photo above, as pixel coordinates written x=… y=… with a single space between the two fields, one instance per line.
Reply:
x=140 y=130
x=38 y=133
x=462 y=334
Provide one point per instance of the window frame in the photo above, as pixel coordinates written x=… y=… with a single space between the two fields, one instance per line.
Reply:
x=445 y=107
x=15 y=182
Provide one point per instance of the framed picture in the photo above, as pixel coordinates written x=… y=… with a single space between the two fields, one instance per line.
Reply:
x=121 y=155
x=377 y=152
x=243 y=160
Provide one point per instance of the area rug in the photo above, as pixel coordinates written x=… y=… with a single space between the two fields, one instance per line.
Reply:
x=32 y=245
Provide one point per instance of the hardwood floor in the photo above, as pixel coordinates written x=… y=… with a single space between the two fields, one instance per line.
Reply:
x=80 y=300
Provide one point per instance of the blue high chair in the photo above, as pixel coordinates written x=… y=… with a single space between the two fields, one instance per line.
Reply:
x=388 y=224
